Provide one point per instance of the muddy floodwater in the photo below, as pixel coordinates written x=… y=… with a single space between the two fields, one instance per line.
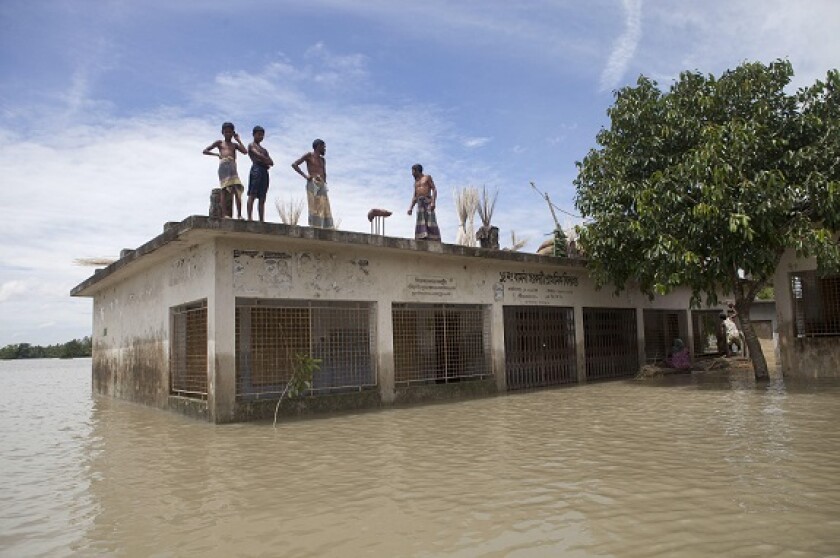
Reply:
x=696 y=465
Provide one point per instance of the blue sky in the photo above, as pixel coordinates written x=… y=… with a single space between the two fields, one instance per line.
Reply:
x=105 y=107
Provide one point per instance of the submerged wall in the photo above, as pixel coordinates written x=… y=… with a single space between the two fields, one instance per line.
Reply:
x=229 y=263
x=801 y=356
x=131 y=323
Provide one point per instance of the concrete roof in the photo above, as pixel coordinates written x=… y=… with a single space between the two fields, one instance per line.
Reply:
x=196 y=229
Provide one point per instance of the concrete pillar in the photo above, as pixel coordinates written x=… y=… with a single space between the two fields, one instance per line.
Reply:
x=221 y=338
x=786 y=360
x=580 y=346
x=496 y=315
x=640 y=336
x=385 y=351
x=685 y=317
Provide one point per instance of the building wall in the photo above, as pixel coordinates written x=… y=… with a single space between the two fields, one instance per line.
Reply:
x=134 y=298
x=131 y=324
x=806 y=357
x=299 y=269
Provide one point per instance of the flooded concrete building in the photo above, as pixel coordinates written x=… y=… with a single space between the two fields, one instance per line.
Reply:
x=808 y=317
x=209 y=317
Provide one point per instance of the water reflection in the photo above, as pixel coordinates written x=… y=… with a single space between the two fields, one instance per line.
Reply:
x=687 y=466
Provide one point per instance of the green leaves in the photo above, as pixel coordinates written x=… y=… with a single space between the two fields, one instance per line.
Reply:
x=302 y=371
x=303 y=367
x=714 y=175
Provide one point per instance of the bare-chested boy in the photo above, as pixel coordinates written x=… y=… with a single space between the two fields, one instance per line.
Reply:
x=228 y=178
x=258 y=177
x=320 y=214
x=425 y=196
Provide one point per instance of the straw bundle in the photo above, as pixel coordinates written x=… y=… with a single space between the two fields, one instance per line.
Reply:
x=486 y=206
x=466 y=204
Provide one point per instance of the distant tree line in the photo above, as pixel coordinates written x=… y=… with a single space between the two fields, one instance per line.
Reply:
x=76 y=348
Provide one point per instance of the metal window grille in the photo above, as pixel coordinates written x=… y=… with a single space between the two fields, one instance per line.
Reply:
x=440 y=342
x=188 y=353
x=661 y=328
x=270 y=333
x=539 y=346
x=705 y=324
x=610 y=342
x=816 y=304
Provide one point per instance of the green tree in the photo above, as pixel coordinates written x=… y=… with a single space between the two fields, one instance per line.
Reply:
x=766 y=293
x=72 y=349
x=561 y=244
x=708 y=183
x=9 y=352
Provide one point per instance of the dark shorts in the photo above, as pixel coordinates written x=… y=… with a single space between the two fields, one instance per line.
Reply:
x=258 y=182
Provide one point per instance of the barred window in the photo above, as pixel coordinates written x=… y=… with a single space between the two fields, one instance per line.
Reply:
x=271 y=333
x=440 y=342
x=188 y=350
x=540 y=346
x=661 y=328
x=705 y=324
x=816 y=304
x=610 y=342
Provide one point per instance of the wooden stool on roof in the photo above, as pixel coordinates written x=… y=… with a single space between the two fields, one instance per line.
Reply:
x=377 y=220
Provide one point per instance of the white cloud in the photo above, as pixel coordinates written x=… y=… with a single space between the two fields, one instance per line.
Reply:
x=625 y=46
x=336 y=70
x=107 y=184
x=11 y=288
x=475 y=142
x=714 y=36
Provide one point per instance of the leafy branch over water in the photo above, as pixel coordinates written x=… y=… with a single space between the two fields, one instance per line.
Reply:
x=77 y=348
x=301 y=379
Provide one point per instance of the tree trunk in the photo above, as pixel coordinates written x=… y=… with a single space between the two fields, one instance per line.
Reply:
x=742 y=306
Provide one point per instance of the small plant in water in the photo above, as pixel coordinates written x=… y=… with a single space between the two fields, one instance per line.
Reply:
x=300 y=380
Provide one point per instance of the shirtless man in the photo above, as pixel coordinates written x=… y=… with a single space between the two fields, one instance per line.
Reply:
x=228 y=178
x=320 y=214
x=425 y=196
x=258 y=177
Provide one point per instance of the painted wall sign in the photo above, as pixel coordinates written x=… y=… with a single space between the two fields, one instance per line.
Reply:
x=541 y=278
x=438 y=287
x=540 y=288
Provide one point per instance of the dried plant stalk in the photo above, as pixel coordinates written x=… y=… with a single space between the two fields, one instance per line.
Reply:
x=466 y=204
x=517 y=244
x=487 y=205
x=290 y=211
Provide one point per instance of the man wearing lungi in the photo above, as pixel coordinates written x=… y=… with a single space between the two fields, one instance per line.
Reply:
x=228 y=178
x=425 y=196
x=317 y=199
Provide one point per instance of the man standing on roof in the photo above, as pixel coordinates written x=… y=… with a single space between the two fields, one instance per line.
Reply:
x=317 y=199
x=425 y=196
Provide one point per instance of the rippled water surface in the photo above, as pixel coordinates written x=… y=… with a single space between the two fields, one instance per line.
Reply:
x=691 y=466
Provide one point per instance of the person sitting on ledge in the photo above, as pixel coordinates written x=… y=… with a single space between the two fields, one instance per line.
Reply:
x=679 y=358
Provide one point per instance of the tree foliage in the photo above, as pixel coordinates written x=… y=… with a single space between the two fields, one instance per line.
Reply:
x=76 y=348
x=300 y=381
x=706 y=184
